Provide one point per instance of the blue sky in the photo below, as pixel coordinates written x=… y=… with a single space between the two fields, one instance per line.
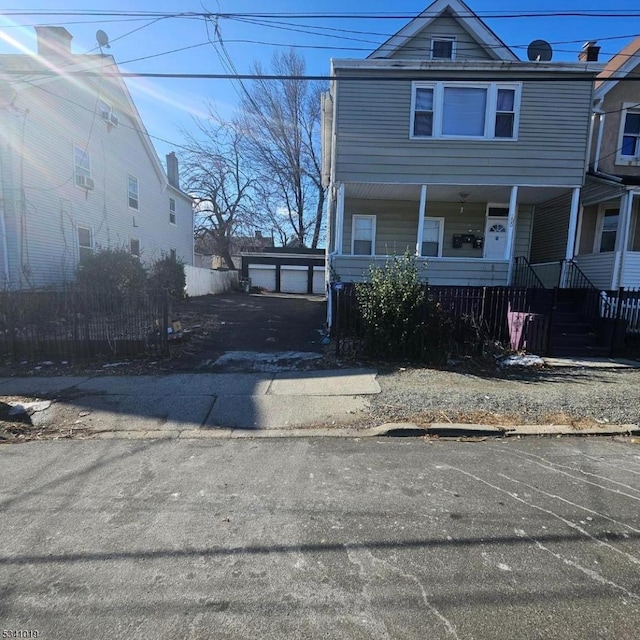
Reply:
x=167 y=106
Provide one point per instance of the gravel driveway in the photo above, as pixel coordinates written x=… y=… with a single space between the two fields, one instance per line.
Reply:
x=581 y=397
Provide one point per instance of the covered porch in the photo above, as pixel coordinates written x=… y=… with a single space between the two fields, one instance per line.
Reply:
x=464 y=235
x=608 y=241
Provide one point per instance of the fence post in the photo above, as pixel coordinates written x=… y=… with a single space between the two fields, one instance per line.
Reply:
x=337 y=291
x=164 y=338
x=554 y=303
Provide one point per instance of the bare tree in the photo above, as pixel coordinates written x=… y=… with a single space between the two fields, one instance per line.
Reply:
x=219 y=178
x=281 y=121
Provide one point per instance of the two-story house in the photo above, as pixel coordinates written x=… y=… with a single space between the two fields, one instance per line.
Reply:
x=77 y=168
x=603 y=240
x=442 y=142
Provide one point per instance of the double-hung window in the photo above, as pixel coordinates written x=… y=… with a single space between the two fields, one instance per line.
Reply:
x=172 y=210
x=82 y=167
x=629 y=147
x=363 y=235
x=85 y=243
x=432 y=235
x=465 y=110
x=132 y=188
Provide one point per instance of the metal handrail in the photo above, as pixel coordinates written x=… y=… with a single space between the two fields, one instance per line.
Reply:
x=572 y=265
x=530 y=271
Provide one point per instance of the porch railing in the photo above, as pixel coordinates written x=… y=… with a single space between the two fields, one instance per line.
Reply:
x=525 y=276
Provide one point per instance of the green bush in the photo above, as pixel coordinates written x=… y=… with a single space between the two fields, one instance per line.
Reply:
x=168 y=273
x=113 y=269
x=399 y=319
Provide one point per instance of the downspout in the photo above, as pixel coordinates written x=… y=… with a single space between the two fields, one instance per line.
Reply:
x=596 y=162
x=3 y=229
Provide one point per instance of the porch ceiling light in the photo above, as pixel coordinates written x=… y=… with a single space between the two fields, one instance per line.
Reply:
x=463 y=198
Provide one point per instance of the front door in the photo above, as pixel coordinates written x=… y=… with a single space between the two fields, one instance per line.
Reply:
x=495 y=238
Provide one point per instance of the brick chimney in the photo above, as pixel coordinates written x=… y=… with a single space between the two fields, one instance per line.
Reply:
x=173 y=173
x=53 y=42
x=589 y=52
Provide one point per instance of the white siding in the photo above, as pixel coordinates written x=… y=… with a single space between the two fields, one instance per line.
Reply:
x=631 y=270
x=202 y=282
x=598 y=267
x=60 y=114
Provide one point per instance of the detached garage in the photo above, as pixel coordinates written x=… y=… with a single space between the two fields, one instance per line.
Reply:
x=263 y=276
x=286 y=270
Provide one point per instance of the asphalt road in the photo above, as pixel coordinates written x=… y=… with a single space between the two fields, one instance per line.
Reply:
x=321 y=538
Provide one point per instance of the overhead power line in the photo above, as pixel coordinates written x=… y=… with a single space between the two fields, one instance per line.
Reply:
x=418 y=76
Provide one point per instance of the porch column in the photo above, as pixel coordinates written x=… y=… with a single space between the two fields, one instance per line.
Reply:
x=573 y=224
x=340 y=220
x=511 y=223
x=622 y=237
x=421 y=212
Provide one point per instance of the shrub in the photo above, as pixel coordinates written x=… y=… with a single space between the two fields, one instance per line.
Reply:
x=168 y=273
x=113 y=269
x=399 y=319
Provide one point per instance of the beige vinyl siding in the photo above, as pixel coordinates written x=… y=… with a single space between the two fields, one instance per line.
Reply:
x=397 y=225
x=549 y=236
x=437 y=271
x=588 y=229
x=419 y=47
x=373 y=124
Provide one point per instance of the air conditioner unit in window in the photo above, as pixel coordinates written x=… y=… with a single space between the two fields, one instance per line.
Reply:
x=105 y=115
x=114 y=120
x=85 y=182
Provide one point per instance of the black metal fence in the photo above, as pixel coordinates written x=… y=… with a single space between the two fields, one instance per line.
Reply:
x=519 y=316
x=77 y=322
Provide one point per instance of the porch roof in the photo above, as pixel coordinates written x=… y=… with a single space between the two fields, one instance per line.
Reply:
x=451 y=192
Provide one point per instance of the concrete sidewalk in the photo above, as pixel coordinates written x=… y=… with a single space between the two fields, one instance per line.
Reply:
x=187 y=402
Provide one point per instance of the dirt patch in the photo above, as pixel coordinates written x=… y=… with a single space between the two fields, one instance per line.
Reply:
x=211 y=326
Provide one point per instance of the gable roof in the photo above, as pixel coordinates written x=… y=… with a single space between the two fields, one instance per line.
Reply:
x=622 y=64
x=24 y=71
x=460 y=12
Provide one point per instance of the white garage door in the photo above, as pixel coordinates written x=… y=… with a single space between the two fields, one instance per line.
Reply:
x=294 y=279
x=263 y=275
x=318 y=280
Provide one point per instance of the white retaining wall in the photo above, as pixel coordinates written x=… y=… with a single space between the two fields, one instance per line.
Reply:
x=202 y=282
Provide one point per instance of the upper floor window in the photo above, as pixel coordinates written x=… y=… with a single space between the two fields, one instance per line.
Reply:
x=443 y=48
x=132 y=183
x=630 y=124
x=172 y=210
x=465 y=110
x=82 y=167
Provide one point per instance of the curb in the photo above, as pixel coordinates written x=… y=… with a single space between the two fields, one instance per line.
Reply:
x=400 y=429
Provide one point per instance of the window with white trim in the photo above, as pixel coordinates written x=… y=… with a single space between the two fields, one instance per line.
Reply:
x=104 y=109
x=607 y=230
x=81 y=166
x=363 y=235
x=465 y=110
x=172 y=210
x=85 y=243
x=443 y=48
x=134 y=247
x=630 y=124
x=132 y=192
x=432 y=235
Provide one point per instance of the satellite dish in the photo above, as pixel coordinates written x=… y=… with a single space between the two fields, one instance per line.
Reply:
x=102 y=39
x=539 y=51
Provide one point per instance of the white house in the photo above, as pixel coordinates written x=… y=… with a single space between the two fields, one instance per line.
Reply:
x=77 y=168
